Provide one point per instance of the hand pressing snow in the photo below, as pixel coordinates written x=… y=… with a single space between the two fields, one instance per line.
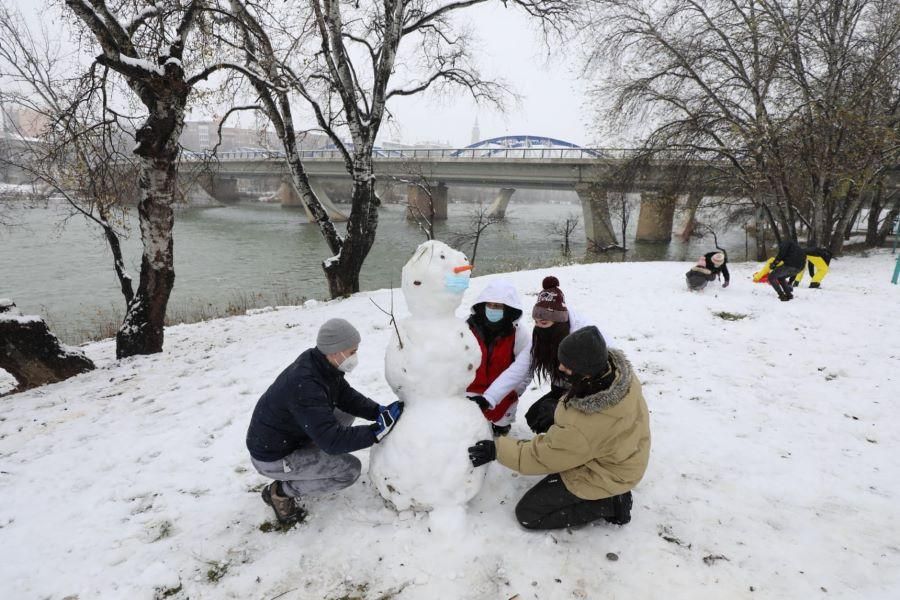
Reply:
x=386 y=420
x=482 y=453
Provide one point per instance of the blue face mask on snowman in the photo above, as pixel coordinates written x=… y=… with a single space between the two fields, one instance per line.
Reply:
x=494 y=315
x=456 y=283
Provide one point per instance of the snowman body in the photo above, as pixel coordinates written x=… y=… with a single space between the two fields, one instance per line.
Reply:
x=423 y=463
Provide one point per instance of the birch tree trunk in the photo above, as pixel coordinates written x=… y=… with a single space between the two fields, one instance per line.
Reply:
x=142 y=330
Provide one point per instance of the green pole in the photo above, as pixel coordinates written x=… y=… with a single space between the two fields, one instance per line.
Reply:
x=896 y=235
x=893 y=251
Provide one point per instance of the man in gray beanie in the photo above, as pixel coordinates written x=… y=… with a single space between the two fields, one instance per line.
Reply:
x=301 y=433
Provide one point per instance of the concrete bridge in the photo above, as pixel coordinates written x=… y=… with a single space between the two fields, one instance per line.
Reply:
x=506 y=164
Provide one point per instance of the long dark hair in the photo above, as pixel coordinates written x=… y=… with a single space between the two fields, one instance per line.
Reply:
x=544 y=346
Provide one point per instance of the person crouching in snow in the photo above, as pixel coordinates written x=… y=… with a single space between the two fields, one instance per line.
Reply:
x=494 y=322
x=301 y=431
x=818 y=261
x=595 y=452
x=789 y=262
x=708 y=268
x=553 y=321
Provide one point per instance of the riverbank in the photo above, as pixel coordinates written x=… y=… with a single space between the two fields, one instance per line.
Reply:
x=771 y=473
x=61 y=268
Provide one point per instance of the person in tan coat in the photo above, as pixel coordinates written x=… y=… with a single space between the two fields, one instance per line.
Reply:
x=595 y=452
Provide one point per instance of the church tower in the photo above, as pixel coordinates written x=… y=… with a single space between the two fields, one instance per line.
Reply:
x=476 y=132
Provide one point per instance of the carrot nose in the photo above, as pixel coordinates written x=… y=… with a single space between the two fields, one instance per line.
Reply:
x=463 y=269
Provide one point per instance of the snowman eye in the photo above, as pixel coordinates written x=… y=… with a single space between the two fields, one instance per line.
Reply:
x=442 y=257
x=417 y=283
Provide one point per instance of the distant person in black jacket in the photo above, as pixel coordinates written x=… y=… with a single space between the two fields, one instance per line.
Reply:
x=301 y=431
x=789 y=261
x=708 y=268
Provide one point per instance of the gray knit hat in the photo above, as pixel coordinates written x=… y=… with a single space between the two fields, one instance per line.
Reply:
x=337 y=335
x=584 y=351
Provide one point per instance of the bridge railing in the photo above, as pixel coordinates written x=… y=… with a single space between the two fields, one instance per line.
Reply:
x=429 y=153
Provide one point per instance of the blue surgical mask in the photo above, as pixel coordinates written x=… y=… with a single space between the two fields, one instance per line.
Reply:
x=494 y=315
x=456 y=283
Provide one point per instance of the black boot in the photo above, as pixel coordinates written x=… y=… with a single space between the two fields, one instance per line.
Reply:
x=622 y=506
x=500 y=429
x=814 y=285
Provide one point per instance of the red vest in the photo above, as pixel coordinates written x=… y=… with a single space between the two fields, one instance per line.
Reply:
x=493 y=363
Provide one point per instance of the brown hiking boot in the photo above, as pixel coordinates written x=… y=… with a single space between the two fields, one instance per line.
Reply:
x=286 y=509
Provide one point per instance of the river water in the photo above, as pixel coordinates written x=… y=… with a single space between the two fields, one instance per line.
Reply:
x=257 y=254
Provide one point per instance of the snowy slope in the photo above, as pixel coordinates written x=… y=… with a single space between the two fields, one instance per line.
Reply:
x=773 y=473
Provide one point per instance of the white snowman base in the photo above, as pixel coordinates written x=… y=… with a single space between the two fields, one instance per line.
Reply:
x=423 y=464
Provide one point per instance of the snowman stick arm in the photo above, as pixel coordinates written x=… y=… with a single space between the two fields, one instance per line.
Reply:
x=390 y=313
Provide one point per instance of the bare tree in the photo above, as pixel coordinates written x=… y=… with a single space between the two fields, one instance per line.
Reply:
x=341 y=60
x=794 y=104
x=78 y=152
x=620 y=207
x=480 y=219
x=423 y=213
x=564 y=229
x=150 y=48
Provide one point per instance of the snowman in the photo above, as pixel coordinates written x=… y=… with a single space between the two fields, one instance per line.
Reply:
x=423 y=464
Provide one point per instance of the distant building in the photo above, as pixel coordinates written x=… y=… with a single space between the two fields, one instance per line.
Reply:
x=22 y=121
x=476 y=133
x=200 y=136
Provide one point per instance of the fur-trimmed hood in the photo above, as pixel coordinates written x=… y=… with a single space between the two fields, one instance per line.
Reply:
x=604 y=399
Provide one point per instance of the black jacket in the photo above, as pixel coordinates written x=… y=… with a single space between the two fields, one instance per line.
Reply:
x=298 y=409
x=792 y=255
x=713 y=268
x=823 y=253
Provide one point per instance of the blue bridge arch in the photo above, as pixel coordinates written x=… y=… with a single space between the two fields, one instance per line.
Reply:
x=498 y=145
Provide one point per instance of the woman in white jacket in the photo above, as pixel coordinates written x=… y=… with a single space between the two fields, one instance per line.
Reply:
x=553 y=321
x=495 y=323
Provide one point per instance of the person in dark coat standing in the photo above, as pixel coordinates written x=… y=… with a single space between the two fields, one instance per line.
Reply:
x=790 y=260
x=301 y=433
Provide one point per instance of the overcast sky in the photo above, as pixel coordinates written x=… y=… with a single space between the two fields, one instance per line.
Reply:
x=552 y=101
x=551 y=96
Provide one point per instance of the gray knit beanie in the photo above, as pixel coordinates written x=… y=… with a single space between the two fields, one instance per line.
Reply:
x=337 y=335
x=584 y=351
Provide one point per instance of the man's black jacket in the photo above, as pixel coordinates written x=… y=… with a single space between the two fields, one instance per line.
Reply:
x=792 y=255
x=298 y=409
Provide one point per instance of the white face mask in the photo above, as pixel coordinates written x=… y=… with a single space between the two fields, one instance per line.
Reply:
x=349 y=363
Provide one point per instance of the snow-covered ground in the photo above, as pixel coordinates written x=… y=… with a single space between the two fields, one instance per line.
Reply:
x=774 y=472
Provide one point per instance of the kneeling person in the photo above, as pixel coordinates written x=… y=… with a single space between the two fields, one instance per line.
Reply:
x=708 y=268
x=595 y=452
x=301 y=431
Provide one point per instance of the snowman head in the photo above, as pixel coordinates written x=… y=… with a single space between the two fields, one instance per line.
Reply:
x=434 y=280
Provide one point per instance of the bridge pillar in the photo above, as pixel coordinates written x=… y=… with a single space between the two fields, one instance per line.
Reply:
x=656 y=217
x=693 y=203
x=223 y=189
x=598 y=227
x=498 y=208
x=334 y=213
x=290 y=198
x=419 y=202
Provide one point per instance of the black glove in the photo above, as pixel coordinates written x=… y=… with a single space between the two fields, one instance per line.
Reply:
x=482 y=403
x=540 y=416
x=386 y=420
x=482 y=453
